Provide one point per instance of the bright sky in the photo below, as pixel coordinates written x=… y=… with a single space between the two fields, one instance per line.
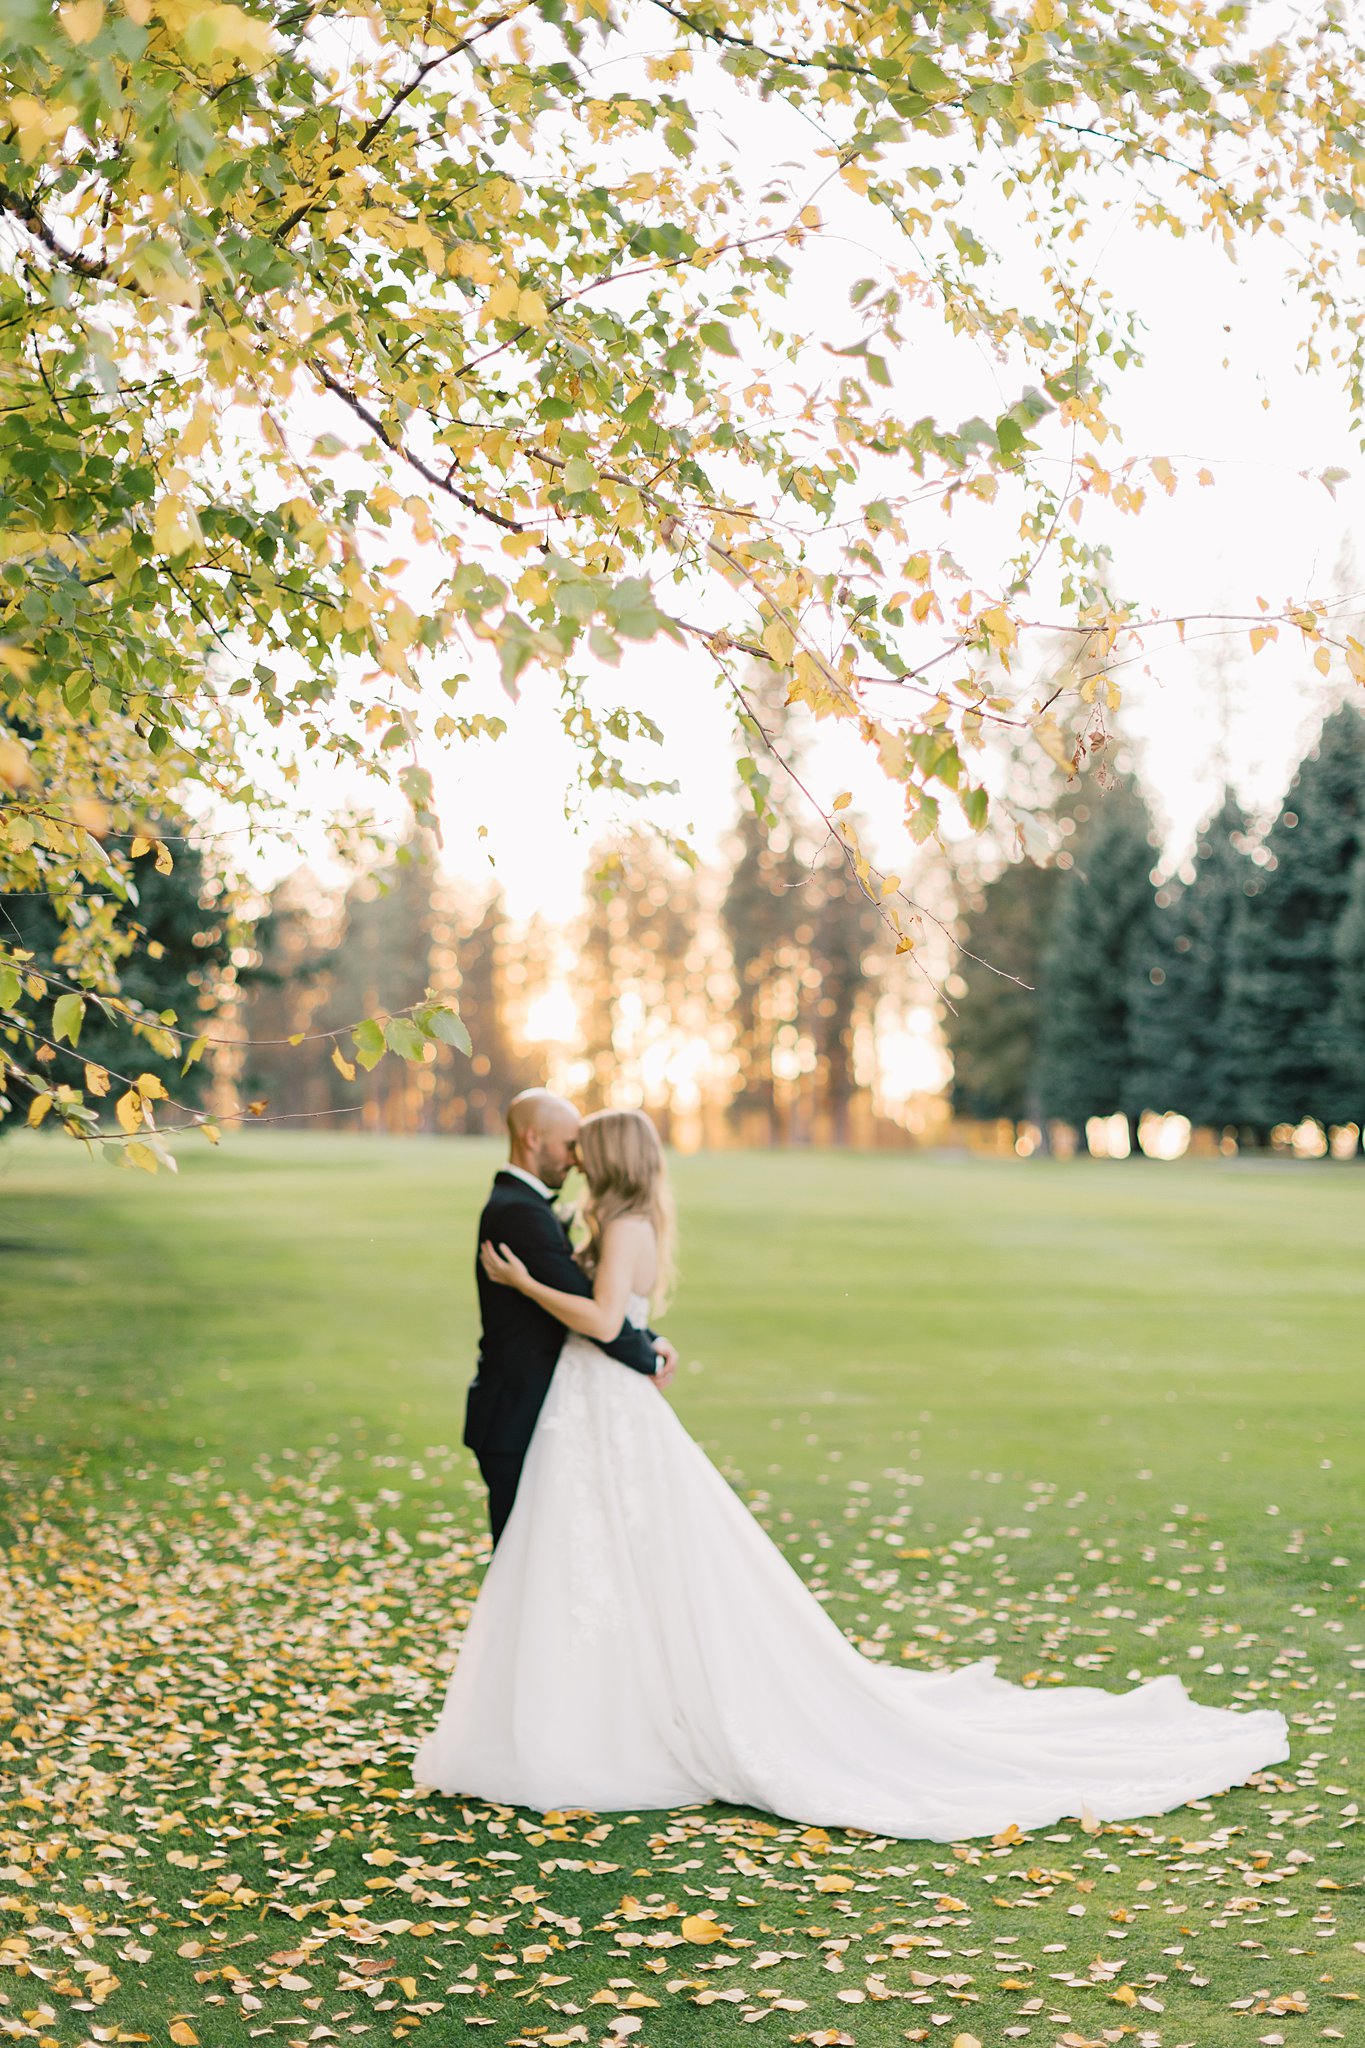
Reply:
x=1219 y=390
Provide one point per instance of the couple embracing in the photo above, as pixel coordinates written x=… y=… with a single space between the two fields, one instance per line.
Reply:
x=639 y=1642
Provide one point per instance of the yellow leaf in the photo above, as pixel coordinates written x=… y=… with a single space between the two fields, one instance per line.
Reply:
x=998 y=627
x=699 y=1927
x=82 y=20
x=128 y=1110
x=501 y=303
x=1007 y=1837
x=1124 y=1995
x=175 y=527
x=211 y=1132
x=196 y=431
x=139 y=847
x=96 y=1079
x=164 y=863
x=966 y=2041
x=91 y=815
x=946 y=1903
x=143 y=1156
x=37 y=124
x=532 y=310
x=342 y=1064
x=663 y=70
x=834 y=1883
x=183 y=2034
x=843 y=800
x=151 y=1088
x=1164 y=474
x=14 y=765
x=1055 y=742
x=778 y=641
x=16 y=661
x=224 y=31
x=38 y=1109
x=1355 y=659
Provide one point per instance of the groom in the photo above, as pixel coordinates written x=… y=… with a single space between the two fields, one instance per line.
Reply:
x=520 y=1340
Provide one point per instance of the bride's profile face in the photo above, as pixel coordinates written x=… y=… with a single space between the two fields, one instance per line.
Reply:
x=619 y=1149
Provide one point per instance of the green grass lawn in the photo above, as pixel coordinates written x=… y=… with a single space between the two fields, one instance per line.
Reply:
x=1101 y=1420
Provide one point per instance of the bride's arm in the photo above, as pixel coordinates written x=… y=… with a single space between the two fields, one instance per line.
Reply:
x=598 y=1315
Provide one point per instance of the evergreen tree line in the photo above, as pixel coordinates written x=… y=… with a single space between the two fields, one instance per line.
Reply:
x=1233 y=995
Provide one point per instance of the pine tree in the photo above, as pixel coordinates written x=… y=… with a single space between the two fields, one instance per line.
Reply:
x=471 y=945
x=761 y=912
x=180 y=946
x=281 y=994
x=642 y=974
x=1101 y=930
x=993 y=1026
x=841 y=994
x=1285 y=961
x=1346 y=1021
x=1181 y=1000
x=382 y=963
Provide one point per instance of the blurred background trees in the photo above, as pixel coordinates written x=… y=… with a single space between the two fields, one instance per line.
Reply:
x=756 y=1001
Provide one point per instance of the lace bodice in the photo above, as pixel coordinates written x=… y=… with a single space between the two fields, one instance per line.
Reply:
x=637 y=1311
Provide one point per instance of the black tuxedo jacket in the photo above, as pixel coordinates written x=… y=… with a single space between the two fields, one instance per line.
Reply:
x=521 y=1340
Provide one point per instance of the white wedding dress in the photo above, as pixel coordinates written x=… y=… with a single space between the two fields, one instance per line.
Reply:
x=639 y=1642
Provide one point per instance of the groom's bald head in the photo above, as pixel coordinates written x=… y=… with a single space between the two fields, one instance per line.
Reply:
x=541 y=1130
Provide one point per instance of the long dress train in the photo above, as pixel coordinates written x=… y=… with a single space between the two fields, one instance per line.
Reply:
x=639 y=1642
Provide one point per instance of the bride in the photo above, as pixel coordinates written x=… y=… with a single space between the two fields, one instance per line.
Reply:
x=639 y=1642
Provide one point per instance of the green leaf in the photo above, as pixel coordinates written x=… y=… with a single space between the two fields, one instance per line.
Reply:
x=402 y=1036
x=717 y=338
x=448 y=1027
x=11 y=988
x=368 y=1040
x=928 y=78
x=976 y=803
x=513 y=656
x=68 y=1014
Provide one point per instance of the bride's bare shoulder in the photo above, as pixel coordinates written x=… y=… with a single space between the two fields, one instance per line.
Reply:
x=629 y=1229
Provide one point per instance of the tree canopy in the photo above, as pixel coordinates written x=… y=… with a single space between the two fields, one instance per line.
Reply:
x=343 y=351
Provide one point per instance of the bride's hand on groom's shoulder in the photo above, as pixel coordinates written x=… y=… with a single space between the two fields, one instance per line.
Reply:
x=668 y=1362
x=502 y=1265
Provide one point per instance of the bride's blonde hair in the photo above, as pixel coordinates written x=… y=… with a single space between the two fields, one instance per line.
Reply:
x=623 y=1164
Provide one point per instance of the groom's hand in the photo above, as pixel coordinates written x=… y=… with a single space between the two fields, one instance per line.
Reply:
x=668 y=1362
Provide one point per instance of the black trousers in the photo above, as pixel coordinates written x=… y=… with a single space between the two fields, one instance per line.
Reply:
x=501 y=1471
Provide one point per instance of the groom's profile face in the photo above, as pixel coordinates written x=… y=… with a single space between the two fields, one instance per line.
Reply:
x=557 y=1148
